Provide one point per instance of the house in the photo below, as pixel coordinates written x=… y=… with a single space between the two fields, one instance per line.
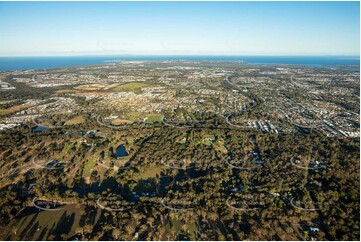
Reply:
x=3 y=85
x=275 y=194
x=314 y=229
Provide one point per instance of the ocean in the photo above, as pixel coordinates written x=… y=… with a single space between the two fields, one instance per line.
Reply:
x=28 y=63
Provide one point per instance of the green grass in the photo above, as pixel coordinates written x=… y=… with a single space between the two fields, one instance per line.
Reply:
x=130 y=87
x=150 y=171
x=77 y=120
x=44 y=220
x=67 y=147
x=14 y=109
x=88 y=166
x=120 y=121
x=102 y=171
x=176 y=224
x=152 y=118
x=192 y=228
x=220 y=146
x=134 y=116
x=131 y=117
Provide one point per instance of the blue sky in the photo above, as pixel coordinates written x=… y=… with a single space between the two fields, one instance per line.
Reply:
x=225 y=28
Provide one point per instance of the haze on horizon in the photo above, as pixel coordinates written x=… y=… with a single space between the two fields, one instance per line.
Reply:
x=193 y=28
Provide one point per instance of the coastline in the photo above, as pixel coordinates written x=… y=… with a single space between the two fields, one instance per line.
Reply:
x=51 y=62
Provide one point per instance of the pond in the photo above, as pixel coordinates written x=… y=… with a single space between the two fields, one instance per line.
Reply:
x=40 y=128
x=121 y=151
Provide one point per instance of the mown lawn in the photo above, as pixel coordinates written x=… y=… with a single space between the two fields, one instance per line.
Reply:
x=150 y=171
x=77 y=120
x=88 y=166
x=38 y=226
x=130 y=87
x=153 y=118
x=14 y=109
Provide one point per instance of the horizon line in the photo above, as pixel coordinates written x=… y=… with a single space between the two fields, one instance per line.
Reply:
x=185 y=55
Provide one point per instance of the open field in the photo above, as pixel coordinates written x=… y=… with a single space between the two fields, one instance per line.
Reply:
x=151 y=171
x=152 y=118
x=66 y=91
x=130 y=87
x=90 y=87
x=76 y=120
x=42 y=225
x=14 y=109
x=121 y=121
x=89 y=94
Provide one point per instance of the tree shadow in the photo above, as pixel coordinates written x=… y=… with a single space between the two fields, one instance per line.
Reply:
x=43 y=233
x=24 y=232
x=64 y=224
x=31 y=233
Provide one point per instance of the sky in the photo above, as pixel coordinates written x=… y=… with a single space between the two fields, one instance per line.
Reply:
x=197 y=28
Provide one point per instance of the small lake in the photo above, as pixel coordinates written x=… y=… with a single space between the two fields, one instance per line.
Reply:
x=41 y=128
x=121 y=151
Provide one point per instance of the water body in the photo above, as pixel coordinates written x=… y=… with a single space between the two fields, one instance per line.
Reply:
x=120 y=151
x=40 y=128
x=28 y=63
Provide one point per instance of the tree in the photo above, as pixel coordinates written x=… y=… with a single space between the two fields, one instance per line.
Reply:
x=116 y=233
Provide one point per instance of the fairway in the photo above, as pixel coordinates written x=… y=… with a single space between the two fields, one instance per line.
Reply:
x=42 y=224
x=121 y=121
x=14 y=109
x=77 y=120
x=130 y=87
x=153 y=118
